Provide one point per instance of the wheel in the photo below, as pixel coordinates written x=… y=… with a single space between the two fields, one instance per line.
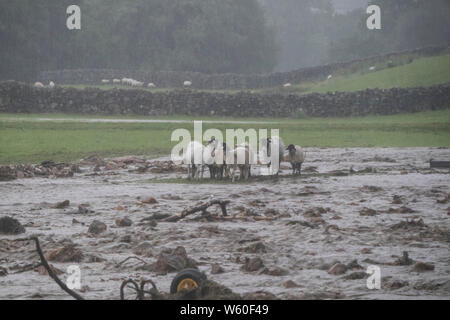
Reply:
x=187 y=279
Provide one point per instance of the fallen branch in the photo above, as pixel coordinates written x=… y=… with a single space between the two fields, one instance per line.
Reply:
x=129 y=258
x=203 y=207
x=50 y=271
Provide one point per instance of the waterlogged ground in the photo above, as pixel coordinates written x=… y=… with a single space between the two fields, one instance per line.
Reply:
x=368 y=205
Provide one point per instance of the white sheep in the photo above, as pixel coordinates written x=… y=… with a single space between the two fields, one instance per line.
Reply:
x=38 y=85
x=329 y=77
x=193 y=158
x=187 y=83
x=135 y=83
x=266 y=151
x=104 y=81
x=287 y=85
x=127 y=81
x=214 y=156
x=116 y=81
x=51 y=84
x=240 y=158
x=372 y=68
x=296 y=156
x=151 y=85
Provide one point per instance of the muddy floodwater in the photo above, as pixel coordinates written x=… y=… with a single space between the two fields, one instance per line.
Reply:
x=315 y=235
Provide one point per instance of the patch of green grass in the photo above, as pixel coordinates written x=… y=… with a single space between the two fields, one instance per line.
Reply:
x=421 y=72
x=31 y=141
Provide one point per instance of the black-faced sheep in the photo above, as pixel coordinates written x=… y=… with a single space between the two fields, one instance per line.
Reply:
x=296 y=156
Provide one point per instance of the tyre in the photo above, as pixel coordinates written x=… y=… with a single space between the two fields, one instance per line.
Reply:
x=187 y=279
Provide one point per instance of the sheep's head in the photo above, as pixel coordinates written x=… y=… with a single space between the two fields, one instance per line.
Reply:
x=291 y=148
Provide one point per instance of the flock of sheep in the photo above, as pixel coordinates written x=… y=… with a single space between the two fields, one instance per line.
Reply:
x=134 y=83
x=224 y=162
x=124 y=81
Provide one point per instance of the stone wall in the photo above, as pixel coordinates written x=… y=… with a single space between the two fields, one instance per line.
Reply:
x=172 y=79
x=18 y=97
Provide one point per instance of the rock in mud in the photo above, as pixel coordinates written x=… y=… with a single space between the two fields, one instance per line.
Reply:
x=149 y=200
x=354 y=265
x=409 y=224
x=394 y=284
x=370 y=189
x=257 y=247
x=97 y=227
x=124 y=222
x=401 y=210
x=253 y=264
x=290 y=284
x=126 y=239
x=275 y=272
x=356 y=276
x=397 y=199
x=3 y=272
x=404 y=260
x=66 y=254
x=43 y=272
x=171 y=260
x=217 y=269
x=11 y=226
x=84 y=209
x=423 y=267
x=338 y=269
x=208 y=290
x=368 y=212
x=143 y=249
x=61 y=205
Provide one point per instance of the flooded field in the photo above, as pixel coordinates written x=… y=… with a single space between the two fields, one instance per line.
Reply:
x=308 y=237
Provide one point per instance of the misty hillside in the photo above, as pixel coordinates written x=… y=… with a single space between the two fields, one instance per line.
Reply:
x=228 y=36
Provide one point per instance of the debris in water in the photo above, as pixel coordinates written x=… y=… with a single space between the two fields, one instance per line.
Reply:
x=10 y=225
x=97 y=227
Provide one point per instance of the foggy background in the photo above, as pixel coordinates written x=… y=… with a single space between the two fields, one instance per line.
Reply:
x=211 y=36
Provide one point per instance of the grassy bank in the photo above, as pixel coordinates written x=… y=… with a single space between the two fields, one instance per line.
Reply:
x=28 y=140
x=421 y=72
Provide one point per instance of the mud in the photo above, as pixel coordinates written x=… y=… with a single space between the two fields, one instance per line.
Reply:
x=280 y=239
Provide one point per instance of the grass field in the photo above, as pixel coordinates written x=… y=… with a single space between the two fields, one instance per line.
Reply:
x=420 y=72
x=30 y=141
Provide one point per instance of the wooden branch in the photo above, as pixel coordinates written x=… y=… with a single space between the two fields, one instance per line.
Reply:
x=130 y=258
x=50 y=271
x=203 y=207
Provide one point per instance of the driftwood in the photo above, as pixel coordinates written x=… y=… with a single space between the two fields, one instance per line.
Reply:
x=202 y=208
x=439 y=164
x=131 y=258
x=50 y=271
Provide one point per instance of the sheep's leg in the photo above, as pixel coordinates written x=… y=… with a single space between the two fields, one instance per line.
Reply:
x=300 y=169
x=211 y=172
x=189 y=172
x=194 y=171
x=219 y=174
x=233 y=173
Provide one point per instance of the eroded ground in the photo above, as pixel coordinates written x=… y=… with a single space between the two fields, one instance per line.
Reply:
x=368 y=205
